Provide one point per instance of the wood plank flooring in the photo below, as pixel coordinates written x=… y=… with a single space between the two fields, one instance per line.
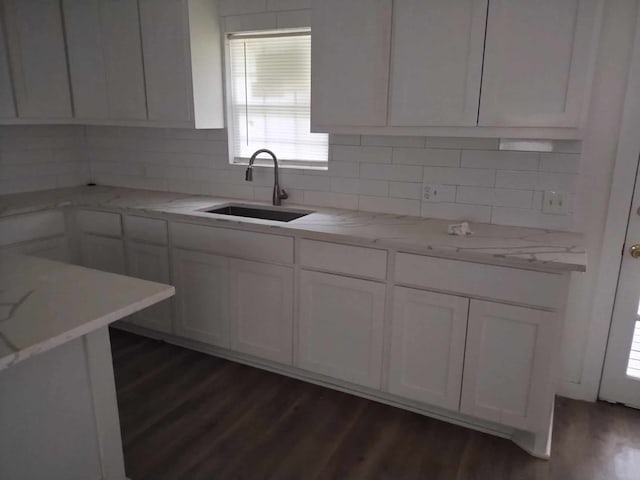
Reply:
x=187 y=415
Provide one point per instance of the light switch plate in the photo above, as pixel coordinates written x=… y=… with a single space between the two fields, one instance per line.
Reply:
x=555 y=203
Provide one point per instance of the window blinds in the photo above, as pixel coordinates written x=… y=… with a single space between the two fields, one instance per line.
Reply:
x=271 y=96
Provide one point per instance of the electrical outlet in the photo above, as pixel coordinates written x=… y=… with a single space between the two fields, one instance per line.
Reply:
x=555 y=203
x=438 y=193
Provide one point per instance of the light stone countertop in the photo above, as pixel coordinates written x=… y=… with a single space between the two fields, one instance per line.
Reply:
x=519 y=247
x=44 y=304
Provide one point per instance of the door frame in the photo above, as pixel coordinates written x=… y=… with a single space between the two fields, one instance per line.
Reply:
x=620 y=201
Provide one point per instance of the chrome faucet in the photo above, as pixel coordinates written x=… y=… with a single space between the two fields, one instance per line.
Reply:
x=278 y=194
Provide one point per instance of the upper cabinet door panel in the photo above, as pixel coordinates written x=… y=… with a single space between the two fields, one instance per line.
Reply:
x=536 y=64
x=7 y=104
x=83 y=29
x=123 y=59
x=350 y=62
x=436 y=62
x=38 y=58
x=165 y=41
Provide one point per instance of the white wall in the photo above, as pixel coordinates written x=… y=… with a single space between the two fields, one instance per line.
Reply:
x=42 y=157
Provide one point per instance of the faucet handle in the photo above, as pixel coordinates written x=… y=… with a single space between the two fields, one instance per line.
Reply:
x=283 y=194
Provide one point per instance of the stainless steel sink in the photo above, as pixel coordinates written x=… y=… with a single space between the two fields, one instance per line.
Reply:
x=264 y=213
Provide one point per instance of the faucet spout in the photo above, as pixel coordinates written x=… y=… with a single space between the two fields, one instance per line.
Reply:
x=278 y=193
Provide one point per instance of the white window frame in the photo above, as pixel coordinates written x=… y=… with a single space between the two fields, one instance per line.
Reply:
x=262 y=161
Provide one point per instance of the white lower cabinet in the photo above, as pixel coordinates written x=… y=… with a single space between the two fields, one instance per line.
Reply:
x=261 y=310
x=202 y=296
x=507 y=367
x=340 y=329
x=102 y=253
x=150 y=262
x=427 y=346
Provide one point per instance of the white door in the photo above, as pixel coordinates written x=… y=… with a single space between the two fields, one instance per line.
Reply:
x=621 y=374
x=38 y=58
x=436 y=73
x=202 y=296
x=507 y=365
x=165 y=42
x=7 y=103
x=340 y=327
x=536 y=62
x=350 y=62
x=262 y=310
x=427 y=346
x=102 y=253
x=151 y=262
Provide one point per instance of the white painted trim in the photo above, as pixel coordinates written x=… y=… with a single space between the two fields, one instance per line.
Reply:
x=624 y=175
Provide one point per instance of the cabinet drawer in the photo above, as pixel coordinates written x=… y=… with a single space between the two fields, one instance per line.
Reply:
x=100 y=223
x=32 y=226
x=367 y=262
x=501 y=283
x=150 y=230
x=233 y=243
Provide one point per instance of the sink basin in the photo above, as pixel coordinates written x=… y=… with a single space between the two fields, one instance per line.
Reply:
x=258 y=212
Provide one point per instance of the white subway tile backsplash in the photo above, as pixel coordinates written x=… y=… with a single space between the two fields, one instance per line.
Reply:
x=397 y=206
x=360 y=186
x=459 y=176
x=560 y=162
x=351 y=153
x=473 y=180
x=251 y=22
x=457 y=212
x=435 y=157
x=399 y=173
x=405 y=190
x=500 y=160
x=389 y=141
x=463 y=143
x=494 y=196
x=240 y=7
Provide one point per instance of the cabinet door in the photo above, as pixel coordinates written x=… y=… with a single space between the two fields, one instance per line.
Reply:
x=340 y=327
x=165 y=41
x=507 y=364
x=202 y=297
x=83 y=30
x=262 y=310
x=151 y=262
x=436 y=62
x=102 y=253
x=536 y=62
x=350 y=62
x=7 y=104
x=427 y=346
x=38 y=59
x=123 y=59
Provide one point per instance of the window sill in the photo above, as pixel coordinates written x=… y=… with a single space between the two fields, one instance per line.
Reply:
x=282 y=164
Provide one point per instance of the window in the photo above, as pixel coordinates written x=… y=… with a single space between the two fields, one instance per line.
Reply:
x=270 y=77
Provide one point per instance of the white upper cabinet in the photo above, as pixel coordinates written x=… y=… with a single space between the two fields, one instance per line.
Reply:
x=436 y=62
x=83 y=30
x=123 y=59
x=182 y=61
x=105 y=59
x=37 y=58
x=537 y=62
x=350 y=62
x=7 y=104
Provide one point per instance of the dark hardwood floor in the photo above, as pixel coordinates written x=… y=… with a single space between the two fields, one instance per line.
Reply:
x=186 y=415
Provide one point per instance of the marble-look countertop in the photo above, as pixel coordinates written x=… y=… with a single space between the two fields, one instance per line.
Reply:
x=44 y=304
x=531 y=248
